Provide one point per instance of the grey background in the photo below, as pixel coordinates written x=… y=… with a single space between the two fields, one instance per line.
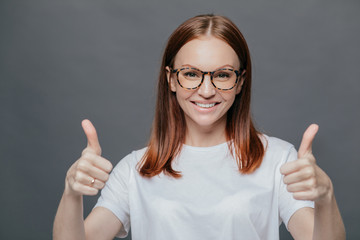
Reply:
x=63 y=61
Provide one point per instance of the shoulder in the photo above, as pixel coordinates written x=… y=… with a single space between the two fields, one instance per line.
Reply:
x=278 y=150
x=275 y=144
x=130 y=160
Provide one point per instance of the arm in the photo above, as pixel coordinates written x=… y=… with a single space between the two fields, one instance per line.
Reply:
x=102 y=224
x=307 y=181
x=85 y=177
x=328 y=221
x=69 y=223
x=323 y=222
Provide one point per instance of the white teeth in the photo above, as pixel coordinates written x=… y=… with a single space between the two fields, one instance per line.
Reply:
x=205 y=105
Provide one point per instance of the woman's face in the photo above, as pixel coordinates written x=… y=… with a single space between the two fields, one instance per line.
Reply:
x=205 y=107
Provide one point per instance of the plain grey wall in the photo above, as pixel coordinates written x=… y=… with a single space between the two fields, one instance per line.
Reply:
x=63 y=61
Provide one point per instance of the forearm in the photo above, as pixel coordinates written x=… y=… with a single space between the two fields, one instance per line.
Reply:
x=69 y=220
x=328 y=222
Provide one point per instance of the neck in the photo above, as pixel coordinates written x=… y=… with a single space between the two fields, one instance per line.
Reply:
x=206 y=136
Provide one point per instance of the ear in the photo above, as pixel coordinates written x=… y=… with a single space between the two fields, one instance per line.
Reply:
x=241 y=81
x=170 y=79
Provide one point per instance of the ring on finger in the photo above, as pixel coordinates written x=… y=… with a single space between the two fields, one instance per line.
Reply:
x=92 y=181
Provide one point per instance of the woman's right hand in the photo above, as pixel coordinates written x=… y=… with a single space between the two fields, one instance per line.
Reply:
x=91 y=171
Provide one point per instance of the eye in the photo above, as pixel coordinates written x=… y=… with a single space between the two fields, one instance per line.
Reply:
x=223 y=75
x=191 y=74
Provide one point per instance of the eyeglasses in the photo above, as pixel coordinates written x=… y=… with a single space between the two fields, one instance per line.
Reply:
x=191 y=78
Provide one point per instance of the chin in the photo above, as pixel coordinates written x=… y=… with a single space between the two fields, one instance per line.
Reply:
x=208 y=123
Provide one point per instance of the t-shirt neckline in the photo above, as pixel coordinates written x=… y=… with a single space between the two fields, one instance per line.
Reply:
x=205 y=149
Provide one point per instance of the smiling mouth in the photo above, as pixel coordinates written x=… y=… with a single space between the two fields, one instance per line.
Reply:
x=205 y=105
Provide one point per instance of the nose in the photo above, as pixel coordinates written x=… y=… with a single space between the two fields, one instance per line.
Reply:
x=207 y=89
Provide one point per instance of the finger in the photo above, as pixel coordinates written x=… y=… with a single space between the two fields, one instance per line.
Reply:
x=306 y=142
x=290 y=167
x=88 y=180
x=97 y=161
x=300 y=175
x=90 y=132
x=94 y=172
x=305 y=185
x=83 y=178
x=84 y=189
x=97 y=168
x=294 y=166
x=102 y=164
x=305 y=195
x=97 y=184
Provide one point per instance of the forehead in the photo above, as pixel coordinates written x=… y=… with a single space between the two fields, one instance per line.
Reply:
x=206 y=53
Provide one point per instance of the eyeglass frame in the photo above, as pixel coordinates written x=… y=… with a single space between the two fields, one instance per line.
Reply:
x=237 y=72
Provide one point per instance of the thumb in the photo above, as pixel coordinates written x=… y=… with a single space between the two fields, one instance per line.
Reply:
x=91 y=135
x=306 y=142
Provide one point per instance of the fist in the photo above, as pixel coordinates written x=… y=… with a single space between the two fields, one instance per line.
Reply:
x=303 y=177
x=91 y=171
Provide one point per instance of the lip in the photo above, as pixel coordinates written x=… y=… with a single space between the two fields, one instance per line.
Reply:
x=204 y=102
x=203 y=109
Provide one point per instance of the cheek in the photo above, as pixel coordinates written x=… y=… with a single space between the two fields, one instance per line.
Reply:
x=229 y=97
x=231 y=102
x=182 y=94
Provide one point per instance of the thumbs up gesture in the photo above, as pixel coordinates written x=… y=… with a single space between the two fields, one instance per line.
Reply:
x=303 y=177
x=91 y=171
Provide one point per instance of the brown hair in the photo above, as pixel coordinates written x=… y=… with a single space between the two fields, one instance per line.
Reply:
x=169 y=126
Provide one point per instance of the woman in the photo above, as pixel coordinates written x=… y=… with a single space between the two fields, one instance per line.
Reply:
x=206 y=173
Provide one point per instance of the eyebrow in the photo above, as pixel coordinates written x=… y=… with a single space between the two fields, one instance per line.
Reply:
x=223 y=66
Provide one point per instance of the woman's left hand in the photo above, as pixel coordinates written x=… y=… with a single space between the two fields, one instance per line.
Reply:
x=303 y=177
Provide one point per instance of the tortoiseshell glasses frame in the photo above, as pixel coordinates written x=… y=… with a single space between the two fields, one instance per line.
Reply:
x=237 y=72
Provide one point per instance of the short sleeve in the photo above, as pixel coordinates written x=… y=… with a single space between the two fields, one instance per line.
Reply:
x=287 y=204
x=115 y=195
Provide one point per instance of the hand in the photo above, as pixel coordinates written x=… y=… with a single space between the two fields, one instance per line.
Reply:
x=303 y=177
x=91 y=171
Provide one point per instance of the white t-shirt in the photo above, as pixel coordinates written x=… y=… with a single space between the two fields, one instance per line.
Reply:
x=211 y=201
